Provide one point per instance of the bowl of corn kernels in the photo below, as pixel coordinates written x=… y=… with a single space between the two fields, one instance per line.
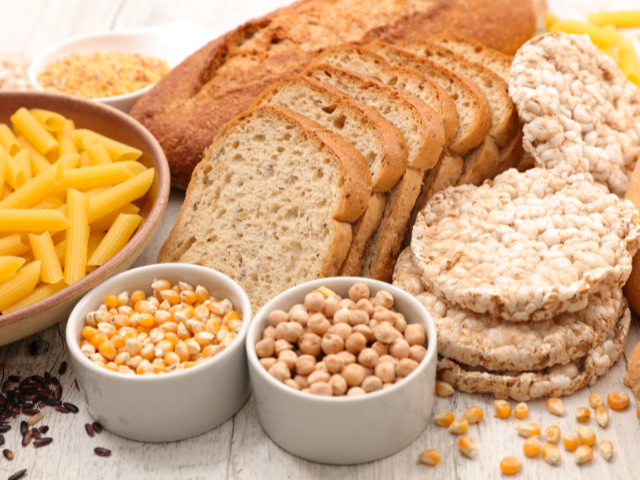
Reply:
x=343 y=369
x=160 y=338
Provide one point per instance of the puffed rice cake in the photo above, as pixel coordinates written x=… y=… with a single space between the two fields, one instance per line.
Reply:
x=527 y=246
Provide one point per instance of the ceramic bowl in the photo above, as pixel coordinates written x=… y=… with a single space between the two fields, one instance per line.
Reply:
x=344 y=430
x=171 y=42
x=114 y=124
x=174 y=406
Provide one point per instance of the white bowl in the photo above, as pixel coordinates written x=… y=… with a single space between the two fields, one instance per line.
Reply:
x=175 y=406
x=344 y=430
x=172 y=43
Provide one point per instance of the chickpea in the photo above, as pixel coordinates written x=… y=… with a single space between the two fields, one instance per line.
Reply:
x=417 y=353
x=265 y=347
x=373 y=324
x=358 y=317
x=358 y=291
x=355 y=343
x=355 y=391
x=354 y=374
x=332 y=343
x=318 y=324
x=405 y=367
x=314 y=302
x=302 y=381
x=291 y=383
x=399 y=348
x=282 y=345
x=365 y=304
x=331 y=306
x=321 y=367
x=364 y=330
x=385 y=333
x=371 y=384
x=384 y=299
x=341 y=329
x=387 y=385
x=347 y=303
x=368 y=357
x=300 y=316
x=381 y=314
x=297 y=307
x=341 y=316
x=291 y=331
x=305 y=364
x=401 y=323
x=310 y=344
x=389 y=358
x=334 y=363
x=415 y=334
x=267 y=363
x=280 y=371
x=338 y=384
x=289 y=357
x=321 y=388
x=347 y=358
x=381 y=348
x=279 y=331
x=305 y=390
x=318 y=376
x=278 y=316
x=386 y=372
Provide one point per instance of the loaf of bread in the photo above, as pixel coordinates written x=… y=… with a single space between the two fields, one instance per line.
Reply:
x=187 y=108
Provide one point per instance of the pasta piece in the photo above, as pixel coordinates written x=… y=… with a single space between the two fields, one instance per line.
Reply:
x=49 y=203
x=84 y=160
x=52 y=121
x=44 y=250
x=629 y=62
x=6 y=191
x=97 y=151
x=61 y=250
x=115 y=239
x=95 y=238
x=98 y=176
x=20 y=285
x=33 y=131
x=619 y=19
x=12 y=245
x=41 y=292
x=103 y=224
x=40 y=162
x=601 y=37
x=9 y=266
x=14 y=175
x=8 y=140
x=75 y=262
x=65 y=142
x=120 y=195
x=4 y=163
x=21 y=220
x=23 y=158
x=118 y=152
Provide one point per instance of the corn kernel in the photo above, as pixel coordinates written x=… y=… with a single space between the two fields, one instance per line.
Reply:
x=112 y=366
x=202 y=294
x=88 y=332
x=618 y=400
x=510 y=465
x=146 y=320
x=461 y=425
x=211 y=350
x=133 y=346
x=473 y=414
x=138 y=296
x=583 y=415
x=570 y=442
x=201 y=313
x=553 y=434
x=584 y=454
x=443 y=389
x=88 y=350
x=430 y=456
x=188 y=296
x=532 y=447
x=551 y=454
x=602 y=416
x=117 y=341
x=556 y=407
x=108 y=329
x=121 y=358
x=162 y=348
x=126 y=370
x=521 y=411
x=160 y=285
x=606 y=448
x=156 y=335
x=172 y=337
x=468 y=447
x=596 y=400
x=120 y=321
x=326 y=292
x=170 y=296
x=123 y=299
x=444 y=419
x=586 y=436
x=97 y=339
x=182 y=351
x=111 y=301
x=527 y=430
x=502 y=408
x=171 y=358
x=148 y=351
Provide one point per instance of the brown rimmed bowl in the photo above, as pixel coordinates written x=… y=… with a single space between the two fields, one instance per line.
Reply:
x=113 y=124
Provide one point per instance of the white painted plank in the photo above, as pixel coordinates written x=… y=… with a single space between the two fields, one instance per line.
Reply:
x=18 y=21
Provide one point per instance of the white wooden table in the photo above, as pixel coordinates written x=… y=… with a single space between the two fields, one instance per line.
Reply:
x=240 y=448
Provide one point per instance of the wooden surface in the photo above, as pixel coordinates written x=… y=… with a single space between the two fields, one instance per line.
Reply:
x=240 y=448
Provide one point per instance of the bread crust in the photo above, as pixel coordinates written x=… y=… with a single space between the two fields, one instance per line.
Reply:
x=481 y=163
x=511 y=155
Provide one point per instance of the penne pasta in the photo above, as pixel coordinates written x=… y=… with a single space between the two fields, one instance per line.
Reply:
x=97 y=151
x=41 y=292
x=550 y=20
x=20 y=220
x=95 y=238
x=9 y=266
x=98 y=176
x=44 y=250
x=23 y=159
x=40 y=162
x=14 y=175
x=6 y=191
x=84 y=160
x=629 y=62
x=4 y=163
x=33 y=131
x=65 y=142
x=75 y=261
x=120 y=195
x=19 y=285
x=48 y=203
x=12 y=245
x=601 y=37
x=619 y=19
x=8 y=140
x=52 y=121
x=103 y=224
x=116 y=238
x=61 y=251
x=118 y=152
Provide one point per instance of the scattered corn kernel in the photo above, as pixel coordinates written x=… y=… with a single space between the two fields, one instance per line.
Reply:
x=556 y=407
x=583 y=415
x=570 y=442
x=606 y=448
x=468 y=447
x=532 y=447
x=473 y=414
x=551 y=454
x=444 y=419
x=527 y=430
x=583 y=454
x=602 y=416
x=521 y=411
x=443 y=389
x=502 y=408
x=431 y=456
x=461 y=425
x=596 y=400
x=618 y=400
x=510 y=465
x=586 y=436
x=553 y=434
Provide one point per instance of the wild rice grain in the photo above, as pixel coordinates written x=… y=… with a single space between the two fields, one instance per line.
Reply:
x=71 y=407
x=1 y=440
x=43 y=429
x=36 y=433
x=89 y=429
x=42 y=442
x=97 y=427
x=63 y=368
x=24 y=428
x=27 y=438
x=61 y=409
x=5 y=428
x=102 y=452
x=8 y=454
x=18 y=474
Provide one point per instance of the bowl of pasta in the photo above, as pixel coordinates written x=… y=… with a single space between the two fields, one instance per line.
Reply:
x=82 y=189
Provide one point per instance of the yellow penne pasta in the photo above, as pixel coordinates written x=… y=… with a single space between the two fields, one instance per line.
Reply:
x=84 y=160
x=65 y=142
x=61 y=250
x=14 y=175
x=6 y=191
x=602 y=38
x=23 y=158
x=4 y=160
x=75 y=262
x=52 y=121
x=9 y=266
x=19 y=285
x=33 y=131
x=98 y=176
x=136 y=167
x=41 y=292
x=619 y=19
x=20 y=220
x=12 y=245
x=40 y=162
x=95 y=238
x=120 y=195
x=97 y=151
x=103 y=224
x=44 y=250
x=118 y=152
x=550 y=20
x=629 y=62
x=94 y=192
x=49 y=203
x=8 y=140
x=116 y=238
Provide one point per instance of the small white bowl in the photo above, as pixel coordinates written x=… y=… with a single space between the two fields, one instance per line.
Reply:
x=344 y=430
x=172 y=43
x=175 y=406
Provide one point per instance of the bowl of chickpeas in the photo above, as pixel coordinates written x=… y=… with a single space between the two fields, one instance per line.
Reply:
x=159 y=351
x=343 y=369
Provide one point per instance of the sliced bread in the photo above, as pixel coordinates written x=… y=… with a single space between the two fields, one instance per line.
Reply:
x=511 y=155
x=481 y=163
x=365 y=62
x=380 y=142
x=271 y=203
x=504 y=117
x=473 y=107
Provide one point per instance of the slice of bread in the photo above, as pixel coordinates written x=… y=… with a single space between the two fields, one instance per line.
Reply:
x=481 y=163
x=366 y=62
x=511 y=155
x=380 y=142
x=476 y=52
x=271 y=203
x=504 y=117
x=472 y=105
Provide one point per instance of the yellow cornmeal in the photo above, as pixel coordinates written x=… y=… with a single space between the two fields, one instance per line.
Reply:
x=102 y=74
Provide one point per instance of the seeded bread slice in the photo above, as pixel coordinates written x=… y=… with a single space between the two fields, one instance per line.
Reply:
x=380 y=142
x=472 y=105
x=410 y=82
x=476 y=52
x=481 y=163
x=504 y=117
x=271 y=203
